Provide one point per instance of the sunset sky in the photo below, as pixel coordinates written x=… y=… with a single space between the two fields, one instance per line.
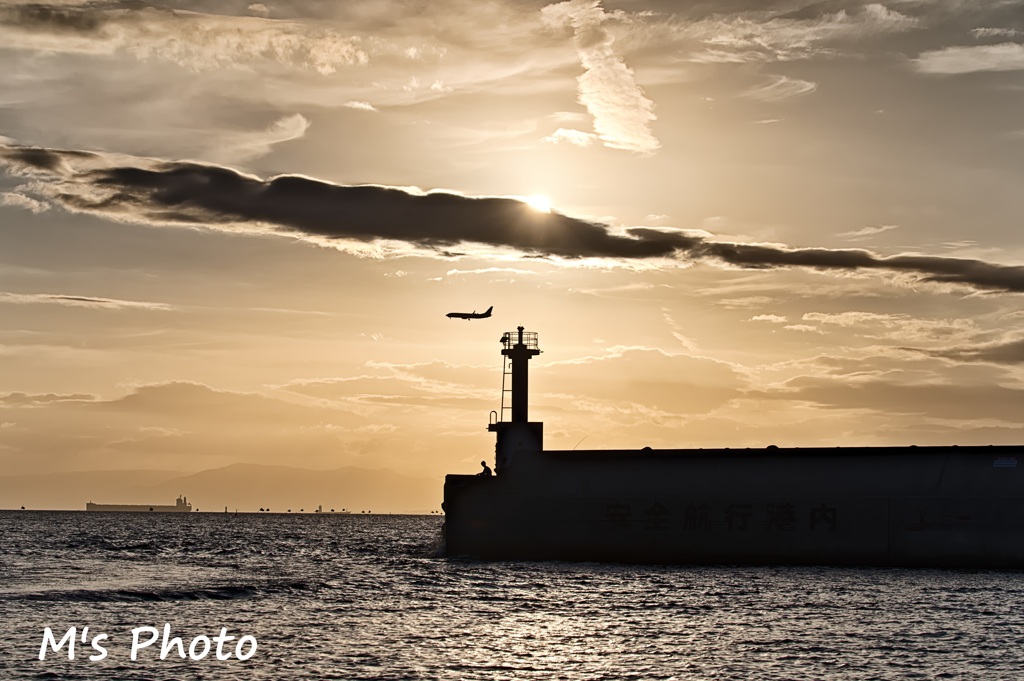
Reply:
x=230 y=232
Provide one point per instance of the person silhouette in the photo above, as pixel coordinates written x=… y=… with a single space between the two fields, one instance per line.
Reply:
x=486 y=472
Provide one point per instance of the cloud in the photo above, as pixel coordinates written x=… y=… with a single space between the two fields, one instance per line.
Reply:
x=988 y=32
x=574 y=137
x=21 y=201
x=1001 y=352
x=78 y=301
x=380 y=220
x=850 y=319
x=773 y=318
x=199 y=402
x=244 y=146
x=362 y=106
x=782 y=35
x=170 y=422
x=958 y=60
x=901 y=327
x=428 y=384
x=258 y=9
x=194 y=41
x=956 y=402
x=622 y=114
x=780 y=88
x=24 y=400
x=866 y=232
x=490 y=270
x=661 y=385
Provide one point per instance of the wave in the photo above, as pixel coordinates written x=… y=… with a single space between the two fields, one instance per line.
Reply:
x=212 y=593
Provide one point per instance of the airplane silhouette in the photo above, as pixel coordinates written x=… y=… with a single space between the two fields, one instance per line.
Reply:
x=470 y=315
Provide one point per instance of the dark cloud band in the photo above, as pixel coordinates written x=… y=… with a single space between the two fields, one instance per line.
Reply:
x=185 y=193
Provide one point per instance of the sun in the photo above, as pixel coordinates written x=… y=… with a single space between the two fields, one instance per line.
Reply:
x=538 y=202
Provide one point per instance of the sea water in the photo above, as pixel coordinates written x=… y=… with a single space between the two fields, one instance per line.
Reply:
x=367 y=597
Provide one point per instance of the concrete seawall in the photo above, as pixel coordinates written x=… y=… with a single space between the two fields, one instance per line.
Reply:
x=907 y=506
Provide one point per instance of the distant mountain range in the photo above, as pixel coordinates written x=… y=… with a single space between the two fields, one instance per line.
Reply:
x=241 y=486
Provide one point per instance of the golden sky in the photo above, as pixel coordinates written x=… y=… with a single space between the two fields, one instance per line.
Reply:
x=230 y=231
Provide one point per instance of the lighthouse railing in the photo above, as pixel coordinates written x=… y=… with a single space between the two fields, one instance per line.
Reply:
x=511 y=339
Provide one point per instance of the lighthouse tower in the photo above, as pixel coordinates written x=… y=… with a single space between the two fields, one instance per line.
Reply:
x=516 y=434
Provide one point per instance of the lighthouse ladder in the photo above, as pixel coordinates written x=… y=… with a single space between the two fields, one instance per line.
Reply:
x=506 y=388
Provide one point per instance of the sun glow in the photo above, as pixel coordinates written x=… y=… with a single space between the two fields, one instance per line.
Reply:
x=538 y=202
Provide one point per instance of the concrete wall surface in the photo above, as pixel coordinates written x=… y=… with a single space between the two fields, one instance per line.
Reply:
x=929 y=506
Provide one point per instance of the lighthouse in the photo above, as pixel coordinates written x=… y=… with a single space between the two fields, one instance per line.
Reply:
x=516 y=433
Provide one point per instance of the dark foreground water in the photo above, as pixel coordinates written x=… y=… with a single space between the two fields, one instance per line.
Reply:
x=364 y=597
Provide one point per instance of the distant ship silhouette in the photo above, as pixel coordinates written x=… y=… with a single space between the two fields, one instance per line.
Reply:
x=181 y=505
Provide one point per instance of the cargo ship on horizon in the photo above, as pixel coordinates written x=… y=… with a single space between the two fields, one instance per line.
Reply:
x=181 y=505
x=944 y=506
